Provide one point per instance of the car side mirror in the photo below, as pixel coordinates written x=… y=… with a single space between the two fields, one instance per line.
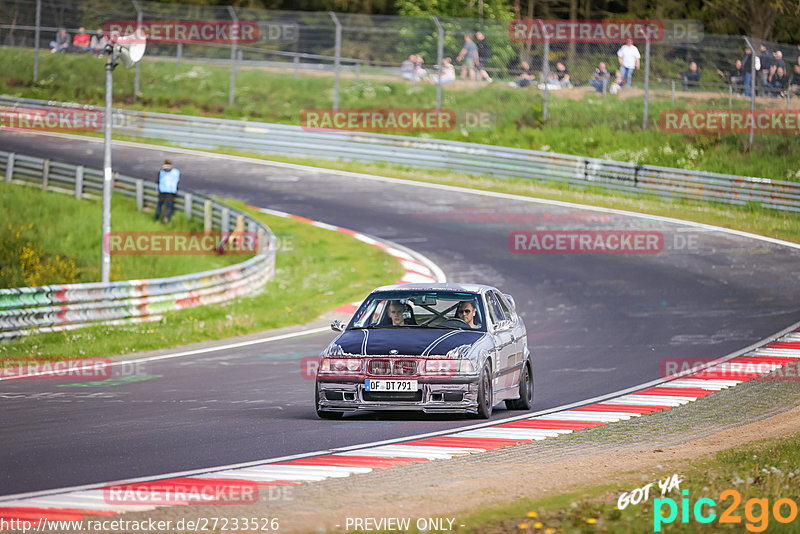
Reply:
x=337 y=326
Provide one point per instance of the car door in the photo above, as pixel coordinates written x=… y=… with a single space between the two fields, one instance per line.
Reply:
x=505 y=347
x=518 y=334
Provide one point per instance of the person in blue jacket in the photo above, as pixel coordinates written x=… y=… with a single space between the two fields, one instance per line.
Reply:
x=168 y=178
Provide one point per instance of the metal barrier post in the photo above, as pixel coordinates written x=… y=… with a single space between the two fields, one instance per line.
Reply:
x=79 y=182
x=673 y=91
x=138 y=63
x=139 y=194
x=226 y=220
x=180 y=55
x=187 y=205
x=234 y=31
x=45 y=173
x=336 y=60
x=36 y=38
x=207 y=221
x=358 y=71
x=296 y=65
x=262 y=240
x=10 y=167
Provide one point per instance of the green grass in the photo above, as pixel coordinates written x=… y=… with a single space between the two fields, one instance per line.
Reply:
x=600 y=127
x=317 y=271
x=763 y=470
x=54 y=238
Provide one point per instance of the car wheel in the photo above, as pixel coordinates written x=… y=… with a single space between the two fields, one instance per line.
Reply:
x=324 y=414
x=525 y=400
x=485 y=402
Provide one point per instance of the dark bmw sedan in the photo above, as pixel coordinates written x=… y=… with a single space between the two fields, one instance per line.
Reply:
x=447 y=348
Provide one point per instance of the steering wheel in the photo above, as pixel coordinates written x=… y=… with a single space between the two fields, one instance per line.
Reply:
x=455 y=322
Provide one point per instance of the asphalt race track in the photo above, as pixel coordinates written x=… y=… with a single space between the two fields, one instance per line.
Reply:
x=597 y=323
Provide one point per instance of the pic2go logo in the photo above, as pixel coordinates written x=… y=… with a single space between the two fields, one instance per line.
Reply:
x=756 y=511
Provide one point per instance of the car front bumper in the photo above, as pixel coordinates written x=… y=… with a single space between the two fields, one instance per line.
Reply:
x=431 y=397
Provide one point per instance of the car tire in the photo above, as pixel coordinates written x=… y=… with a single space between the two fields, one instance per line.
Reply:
x=324 y=414
x=485 y=393
x=525 y=400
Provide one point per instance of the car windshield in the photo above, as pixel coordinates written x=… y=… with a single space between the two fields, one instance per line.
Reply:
x=420 y=309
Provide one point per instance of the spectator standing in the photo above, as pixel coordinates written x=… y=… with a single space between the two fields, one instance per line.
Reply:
x=736 y=76
x=600 y=77
x=81 y=41
x=98 y=42
x=691 y=76
x=61 y=44
x=629 y=60
x=779 y=62
x=469 y=53
x=747 y=66
x=766 y=65
x=483 y=55
x=168 y=178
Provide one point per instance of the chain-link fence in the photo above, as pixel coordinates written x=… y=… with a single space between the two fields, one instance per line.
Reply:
x=355 y=54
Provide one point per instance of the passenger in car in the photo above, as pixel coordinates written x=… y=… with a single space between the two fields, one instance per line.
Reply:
x=466 y=311
x=397 y=313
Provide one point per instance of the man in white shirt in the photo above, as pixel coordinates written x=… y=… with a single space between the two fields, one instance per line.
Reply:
x=629 y=60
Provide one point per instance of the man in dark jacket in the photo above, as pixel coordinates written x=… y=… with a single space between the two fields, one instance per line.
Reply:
x=691 y=76
x=747 y=65
x=766 y=65
x=483 y=56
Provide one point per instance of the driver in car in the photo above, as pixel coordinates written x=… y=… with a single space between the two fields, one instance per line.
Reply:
x=396 y=309
x=466 y=312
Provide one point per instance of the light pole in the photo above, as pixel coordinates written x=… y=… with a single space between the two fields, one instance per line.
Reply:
x=130 y=50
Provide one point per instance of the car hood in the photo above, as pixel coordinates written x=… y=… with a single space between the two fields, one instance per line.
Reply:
x=406 y=341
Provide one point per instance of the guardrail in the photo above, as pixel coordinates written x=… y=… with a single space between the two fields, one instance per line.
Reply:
x=52 y=308
x=506 y=162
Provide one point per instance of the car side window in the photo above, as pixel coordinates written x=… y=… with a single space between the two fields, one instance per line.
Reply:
x=495 y=310
x=504 y=305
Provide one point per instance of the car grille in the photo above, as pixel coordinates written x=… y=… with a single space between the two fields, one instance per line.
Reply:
x=387 y=367
x=415 y=396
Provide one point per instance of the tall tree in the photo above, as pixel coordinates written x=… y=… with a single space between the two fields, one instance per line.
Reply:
x=756 y=18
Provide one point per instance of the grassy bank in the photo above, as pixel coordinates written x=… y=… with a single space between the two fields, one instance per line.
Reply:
x=761 y=474
x=316 y=270
x=53 y=238
x=587 y=125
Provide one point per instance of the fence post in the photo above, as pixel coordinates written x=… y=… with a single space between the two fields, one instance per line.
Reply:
x=36 y=38
x=646 y=81
x=79 y=182
x=673 y=91
x=207 y=220
x=10 y=167
x=730 y=96
x=439 y=56
x=235 y=29
x=336 y=61
x=138 y=63
x=262 y=240
x=545 y=70
x=358 y=70
x=187 y=205
x=296 y=62
x=45 y=173
x=139 y=194
x=180 y=55
x=226 y=220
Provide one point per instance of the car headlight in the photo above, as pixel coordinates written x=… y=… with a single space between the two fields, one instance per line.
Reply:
x=448 y=367
x=341 y=366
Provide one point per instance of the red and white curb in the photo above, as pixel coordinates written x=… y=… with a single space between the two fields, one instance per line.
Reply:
x=192 y=487
x=419 y=269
